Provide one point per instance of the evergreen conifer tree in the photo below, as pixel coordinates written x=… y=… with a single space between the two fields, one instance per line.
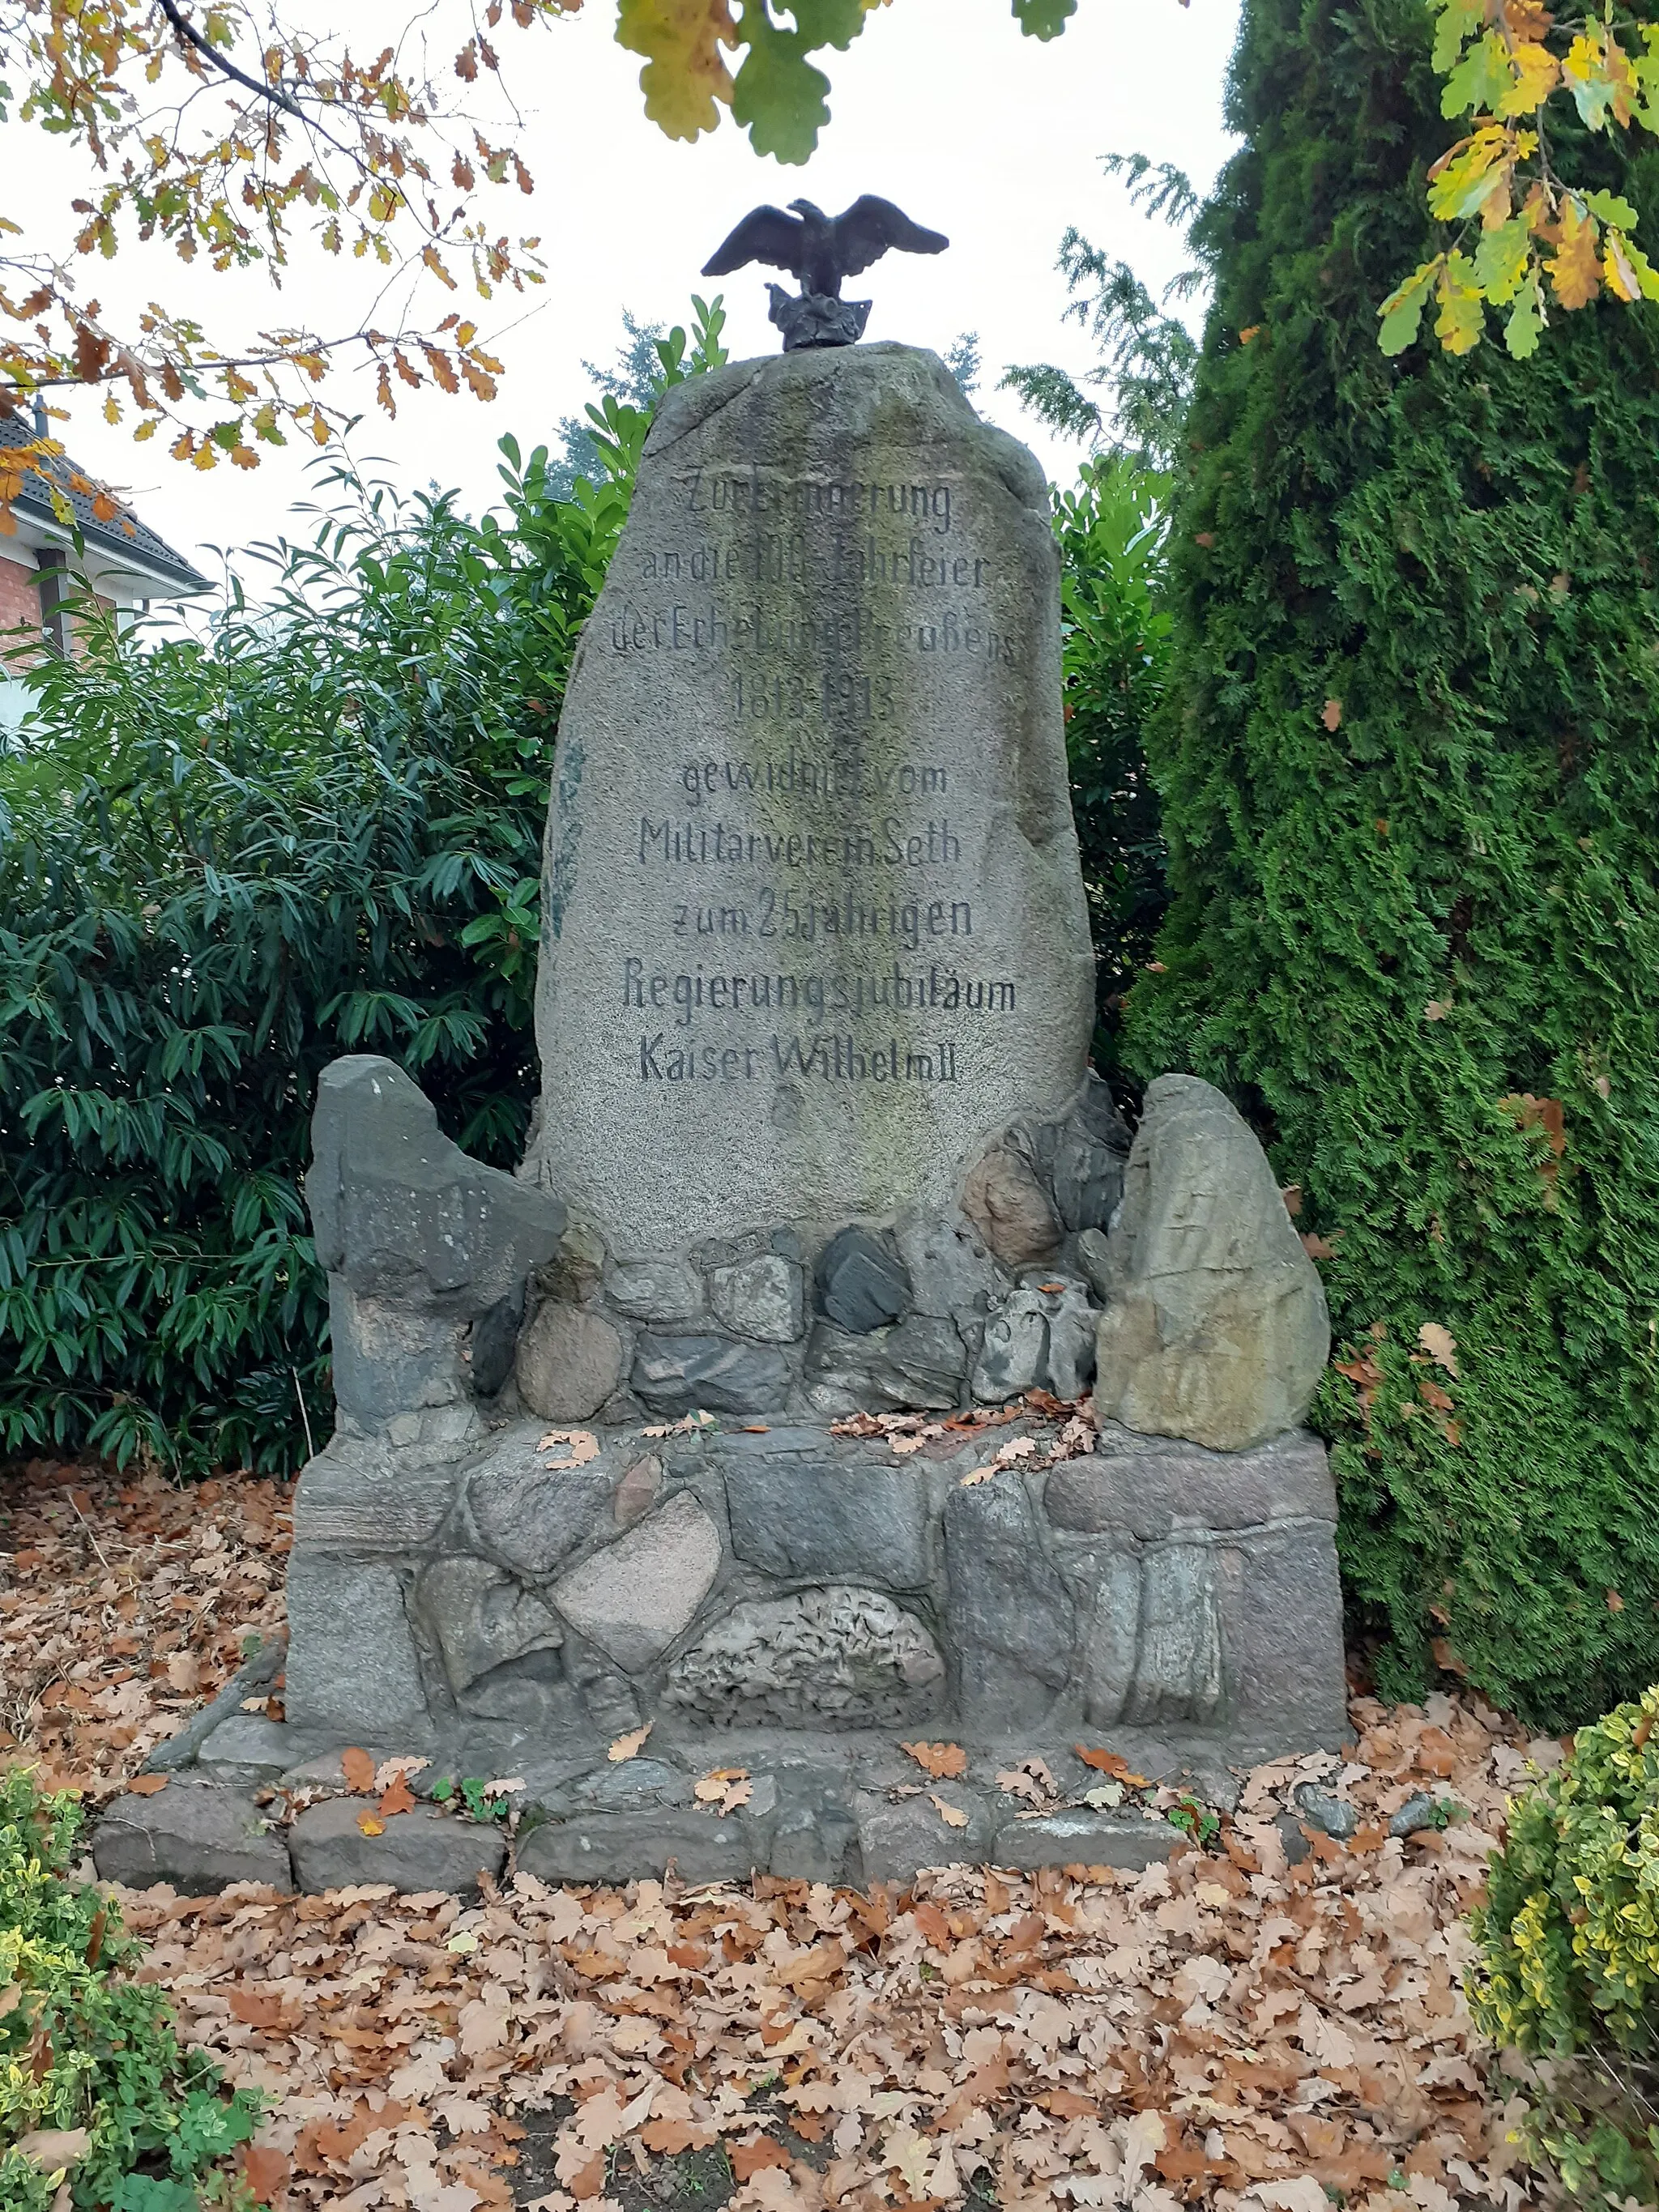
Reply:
x=1410 y=769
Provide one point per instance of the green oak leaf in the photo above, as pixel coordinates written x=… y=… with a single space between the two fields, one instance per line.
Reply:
x=1501 y=259
x=829 y=22
x=1525 y=319
x=1043 y=19
x=777 y=95
x=1458 y=19
x=1646 y=275
x=1403 y=311
x=1479 y=83
x=1618 y=214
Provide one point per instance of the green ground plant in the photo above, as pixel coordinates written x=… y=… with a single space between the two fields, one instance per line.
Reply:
x=95 y=2089
x=1409 y=786
x=1568 y=1964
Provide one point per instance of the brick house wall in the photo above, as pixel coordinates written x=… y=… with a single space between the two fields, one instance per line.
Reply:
x=20 y=595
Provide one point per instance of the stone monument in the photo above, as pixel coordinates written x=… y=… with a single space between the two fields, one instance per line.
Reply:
x=818 y=1142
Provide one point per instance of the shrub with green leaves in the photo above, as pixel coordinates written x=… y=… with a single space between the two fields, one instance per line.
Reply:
x=223 y=862
x=89 y=2055
x=1410 y=783
x=1568 y=1966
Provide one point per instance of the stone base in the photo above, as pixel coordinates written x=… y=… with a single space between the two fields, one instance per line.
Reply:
x=808 y=320
x=798 y=1604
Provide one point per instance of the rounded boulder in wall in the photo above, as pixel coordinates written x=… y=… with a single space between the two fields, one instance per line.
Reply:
x=1010 y=1210
x=569 y=1361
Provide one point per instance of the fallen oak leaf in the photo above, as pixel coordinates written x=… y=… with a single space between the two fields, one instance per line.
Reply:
x=369 y=1825
x=1440 y=1345
x=944 y=1761
x=358 y=1769
x=627 y=1745
x=582 y=1445
x=51 y=2149
x=1031 y=1780
x=723 y=1788
x=399 y=1798
x=255 y=2008
x=393 y=1770
x=671 y=2138
x=265 y=2169
x=146 y=1785
x=1111 y=1763
x=760 y=2150
x=952 y=1815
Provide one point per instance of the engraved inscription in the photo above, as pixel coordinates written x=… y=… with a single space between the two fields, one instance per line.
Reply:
x=840 y=584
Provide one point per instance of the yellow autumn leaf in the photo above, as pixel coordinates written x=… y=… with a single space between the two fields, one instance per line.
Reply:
x=1463 y=176
x=1617 y=273
x=1574 y=276
x=685 y=73
x=1598 y=72
x=1462 y=311
x=1534 y=74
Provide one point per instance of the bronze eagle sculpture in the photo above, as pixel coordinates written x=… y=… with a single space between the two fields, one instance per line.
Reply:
x=823 y=250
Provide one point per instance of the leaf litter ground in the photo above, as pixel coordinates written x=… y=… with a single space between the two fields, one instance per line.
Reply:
x=1226 y=2029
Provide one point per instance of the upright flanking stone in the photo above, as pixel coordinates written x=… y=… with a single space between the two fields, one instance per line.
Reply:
x=421 y=1244
x=814 y=932
x=1216 y=1328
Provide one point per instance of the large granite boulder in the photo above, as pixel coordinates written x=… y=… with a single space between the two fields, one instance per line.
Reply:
x=1216 y=1328
x=813 y=924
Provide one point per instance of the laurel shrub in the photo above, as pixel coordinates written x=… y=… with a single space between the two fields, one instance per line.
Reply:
x=1409 y=782
x=223 y=862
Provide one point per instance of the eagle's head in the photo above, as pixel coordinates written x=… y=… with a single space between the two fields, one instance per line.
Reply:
x=808 y=211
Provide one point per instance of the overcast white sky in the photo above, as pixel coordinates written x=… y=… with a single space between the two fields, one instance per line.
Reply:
x=941 y=106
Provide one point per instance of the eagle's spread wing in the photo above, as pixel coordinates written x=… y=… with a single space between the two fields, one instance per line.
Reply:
x=766 y=233
x=872 y=227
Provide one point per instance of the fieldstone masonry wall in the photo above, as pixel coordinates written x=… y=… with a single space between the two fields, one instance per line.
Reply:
x=818 y=1139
